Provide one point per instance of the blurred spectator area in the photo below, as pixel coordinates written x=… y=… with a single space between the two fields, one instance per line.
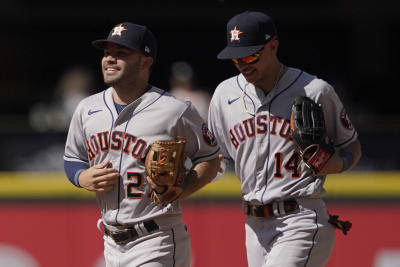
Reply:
x=351 y=44
x=183 y=86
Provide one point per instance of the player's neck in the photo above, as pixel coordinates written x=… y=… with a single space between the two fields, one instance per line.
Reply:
x=272 y=78
x=125 y=95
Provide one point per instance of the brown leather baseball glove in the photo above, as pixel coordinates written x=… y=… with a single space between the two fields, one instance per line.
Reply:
x=165 y=168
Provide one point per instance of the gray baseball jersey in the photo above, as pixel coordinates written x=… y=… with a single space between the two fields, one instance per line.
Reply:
x=97 y=133
x=252 y=128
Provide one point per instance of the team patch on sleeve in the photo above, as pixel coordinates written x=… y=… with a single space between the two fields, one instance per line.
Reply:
x=344 y=118
x=208 y=136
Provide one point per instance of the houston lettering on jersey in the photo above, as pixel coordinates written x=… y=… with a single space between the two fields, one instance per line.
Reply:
x=250 y=127
x=128 y=143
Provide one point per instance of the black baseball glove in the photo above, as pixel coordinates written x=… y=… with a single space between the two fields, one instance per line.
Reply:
x=308 y=131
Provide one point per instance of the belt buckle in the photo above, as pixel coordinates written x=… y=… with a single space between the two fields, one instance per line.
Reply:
x=257 y=211
x=254 y=211
x=120 y=237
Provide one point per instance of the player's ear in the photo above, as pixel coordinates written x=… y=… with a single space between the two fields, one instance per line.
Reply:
x=274 y=44
x=147 y=62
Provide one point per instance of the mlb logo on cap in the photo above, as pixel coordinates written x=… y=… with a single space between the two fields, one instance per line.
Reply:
x=133 y=36
x=246 y=34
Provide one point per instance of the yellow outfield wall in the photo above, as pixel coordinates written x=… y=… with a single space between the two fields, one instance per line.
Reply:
x=56 y=185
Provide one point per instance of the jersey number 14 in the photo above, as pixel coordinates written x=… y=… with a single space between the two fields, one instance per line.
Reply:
x=291 y=165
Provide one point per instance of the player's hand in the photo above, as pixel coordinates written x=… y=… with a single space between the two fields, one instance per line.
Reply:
x=99 y=178
x=154 y=186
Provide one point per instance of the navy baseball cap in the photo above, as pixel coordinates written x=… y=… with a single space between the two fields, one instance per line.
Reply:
x=247 y=33
x=133 y=36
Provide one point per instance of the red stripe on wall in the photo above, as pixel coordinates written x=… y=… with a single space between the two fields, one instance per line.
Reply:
x=65 y=234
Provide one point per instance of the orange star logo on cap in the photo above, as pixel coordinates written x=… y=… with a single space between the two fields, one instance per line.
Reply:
x=118 y=30
x=235 y=34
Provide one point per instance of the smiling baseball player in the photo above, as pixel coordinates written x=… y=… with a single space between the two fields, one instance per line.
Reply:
x=107 y=141
x=282 y=186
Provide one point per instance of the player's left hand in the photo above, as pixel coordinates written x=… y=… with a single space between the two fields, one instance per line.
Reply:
x=165 y=169
x=307 y=125
x=154 y=186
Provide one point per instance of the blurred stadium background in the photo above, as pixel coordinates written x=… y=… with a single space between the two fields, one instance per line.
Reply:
x=48 y=64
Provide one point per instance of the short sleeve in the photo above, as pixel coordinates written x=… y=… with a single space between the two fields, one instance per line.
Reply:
x=215 y=127
x=75 y=146
x=338 y=124
x=201 y=144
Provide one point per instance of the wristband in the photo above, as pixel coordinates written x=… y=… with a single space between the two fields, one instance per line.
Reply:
x=76 y=177
x=347 y=158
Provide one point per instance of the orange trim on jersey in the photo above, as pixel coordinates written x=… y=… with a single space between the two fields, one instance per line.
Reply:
x=94 y=144
x=285 y=129
x=241 y=138
x=274 y=120
x=292 y=165
x=249 y=124
x=91 y=155
x=116 y=140
x=103 y=138
x=278 y=165
x=129 y=139
x=264 y=125
x=134 y=185
x=139 y=146
x=234 y=141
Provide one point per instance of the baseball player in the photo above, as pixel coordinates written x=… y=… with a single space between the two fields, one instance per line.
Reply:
x=107 y=140
x=286 y=218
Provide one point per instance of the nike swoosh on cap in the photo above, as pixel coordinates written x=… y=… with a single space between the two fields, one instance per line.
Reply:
x=90 y=112
x=230 y=101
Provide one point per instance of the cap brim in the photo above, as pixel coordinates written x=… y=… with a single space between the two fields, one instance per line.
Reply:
x=238 y=52
x=101 y=43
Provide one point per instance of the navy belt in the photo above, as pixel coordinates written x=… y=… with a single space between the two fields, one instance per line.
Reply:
x=267 y=210
x=123 y=236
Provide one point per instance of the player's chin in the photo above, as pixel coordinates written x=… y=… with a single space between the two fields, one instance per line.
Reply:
x=251 y=78
x=111 y=80
x=251 y=75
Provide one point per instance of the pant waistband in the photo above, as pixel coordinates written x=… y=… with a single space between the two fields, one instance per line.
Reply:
x=124 y=235
x=270 y=210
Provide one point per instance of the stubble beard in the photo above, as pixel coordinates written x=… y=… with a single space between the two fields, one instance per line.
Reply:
x=126 y=77
x=113 y=80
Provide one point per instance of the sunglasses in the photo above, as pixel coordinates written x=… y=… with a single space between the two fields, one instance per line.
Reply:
x=248 y=60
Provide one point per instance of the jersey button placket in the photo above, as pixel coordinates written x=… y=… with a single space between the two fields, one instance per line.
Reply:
x=260 y=147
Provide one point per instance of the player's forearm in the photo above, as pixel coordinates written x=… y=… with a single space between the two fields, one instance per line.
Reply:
x=200 y=175
x=337 y=162
x=73 y=170
x=355 y=149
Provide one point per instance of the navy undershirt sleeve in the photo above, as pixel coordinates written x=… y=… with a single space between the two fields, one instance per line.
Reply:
x=73 y=169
